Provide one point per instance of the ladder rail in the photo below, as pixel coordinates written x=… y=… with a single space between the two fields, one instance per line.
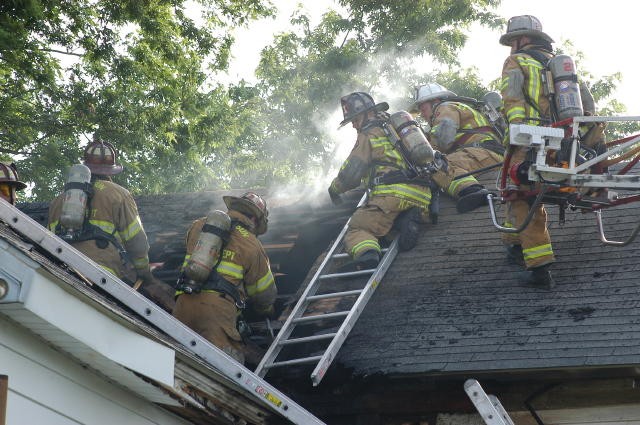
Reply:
x=488 y=406
x=287 y=328
x=237 y=374
x=351 y=319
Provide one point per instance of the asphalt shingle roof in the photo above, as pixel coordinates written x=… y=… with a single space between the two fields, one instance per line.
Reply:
x=453 y=304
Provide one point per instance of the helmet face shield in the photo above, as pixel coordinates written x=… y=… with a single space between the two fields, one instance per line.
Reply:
x=8 y=192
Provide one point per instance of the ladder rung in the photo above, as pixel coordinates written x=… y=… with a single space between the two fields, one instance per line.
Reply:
x=320 y=317
x=307 y=339
x=302 y=360
x=348 y=274
x=334 y=295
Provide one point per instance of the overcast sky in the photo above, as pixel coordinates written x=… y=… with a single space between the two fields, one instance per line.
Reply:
x=603 y=31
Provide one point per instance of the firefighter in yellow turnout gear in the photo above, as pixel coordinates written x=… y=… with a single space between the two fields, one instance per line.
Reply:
x=113 y=235
x=9 y=182
x=243 y=275
x=371 y=161
x=466 y=136
x=526 y=102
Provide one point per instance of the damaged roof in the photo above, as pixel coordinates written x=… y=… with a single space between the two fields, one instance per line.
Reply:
x=46 y=297
x=453 y=304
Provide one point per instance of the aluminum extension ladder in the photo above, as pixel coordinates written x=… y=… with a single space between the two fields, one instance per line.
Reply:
x=236 y=374
x=311 y=293
x=487 y=405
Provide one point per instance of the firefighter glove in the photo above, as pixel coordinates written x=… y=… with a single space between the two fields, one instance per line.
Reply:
x=334 y=195
x=440 y=161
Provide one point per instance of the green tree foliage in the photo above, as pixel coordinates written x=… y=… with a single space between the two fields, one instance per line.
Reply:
x=602 y=89
x=142 y=75
x=130 y=72
x=366 y=46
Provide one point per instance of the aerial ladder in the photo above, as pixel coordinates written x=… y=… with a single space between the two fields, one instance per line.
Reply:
x=235 y=373
x=326 y=336
x=558 y=168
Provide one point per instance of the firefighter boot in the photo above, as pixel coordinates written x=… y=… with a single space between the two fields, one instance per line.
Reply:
x=471 y=198
x=366 y=261
x=409 y=228
x=540 y=277
x=514 y=255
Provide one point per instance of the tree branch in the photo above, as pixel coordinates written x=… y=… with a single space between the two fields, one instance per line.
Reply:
x=11 y=151
x=62 y=52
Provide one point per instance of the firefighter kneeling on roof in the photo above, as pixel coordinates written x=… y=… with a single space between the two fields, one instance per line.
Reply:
x=376 y=161
x=225 y=268
x=466 y=136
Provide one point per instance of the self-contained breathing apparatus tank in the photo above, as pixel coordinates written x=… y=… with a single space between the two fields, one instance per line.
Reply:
x=413 y=139
x=75 y=201
x=567 y=99
x=205 y=255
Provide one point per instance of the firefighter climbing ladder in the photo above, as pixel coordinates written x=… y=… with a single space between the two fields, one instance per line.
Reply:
x=310 y=295
x=487 y=405
x=237 y=374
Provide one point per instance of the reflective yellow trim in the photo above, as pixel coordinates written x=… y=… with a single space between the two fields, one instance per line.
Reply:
x=141 y=263
x=537 y=251
x=230 y=269
x=186 y=260
x=132 y=230
x=420 y=197
x=261 y=285
x=516 y=113
x=113 y=272
x=534 y=88
x=453 y=187
x=389 y=151
x=478 y=121
x=53 y=225
x=107 y=227
x=365 y=245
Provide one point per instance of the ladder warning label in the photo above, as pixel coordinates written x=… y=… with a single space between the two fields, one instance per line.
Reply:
x=259 y=389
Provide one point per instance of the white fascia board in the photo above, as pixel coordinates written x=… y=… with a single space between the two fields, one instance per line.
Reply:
x=41 y=294
x=47 y=386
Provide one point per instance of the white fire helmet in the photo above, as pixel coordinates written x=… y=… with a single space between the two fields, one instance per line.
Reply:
x=429 y=92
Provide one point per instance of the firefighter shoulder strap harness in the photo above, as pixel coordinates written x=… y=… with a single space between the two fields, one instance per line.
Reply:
x=74 y=225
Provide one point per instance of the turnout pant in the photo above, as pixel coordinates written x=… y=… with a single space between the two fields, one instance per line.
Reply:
x=461 y=162
x=214 y=318
x=535 y=238
x=374 y=220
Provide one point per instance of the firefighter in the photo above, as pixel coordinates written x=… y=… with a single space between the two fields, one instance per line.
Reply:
x=9 y=182
x=376 y=162
x=242 y=277
x=465 y=135
x=525 y=102
x=112 y=234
